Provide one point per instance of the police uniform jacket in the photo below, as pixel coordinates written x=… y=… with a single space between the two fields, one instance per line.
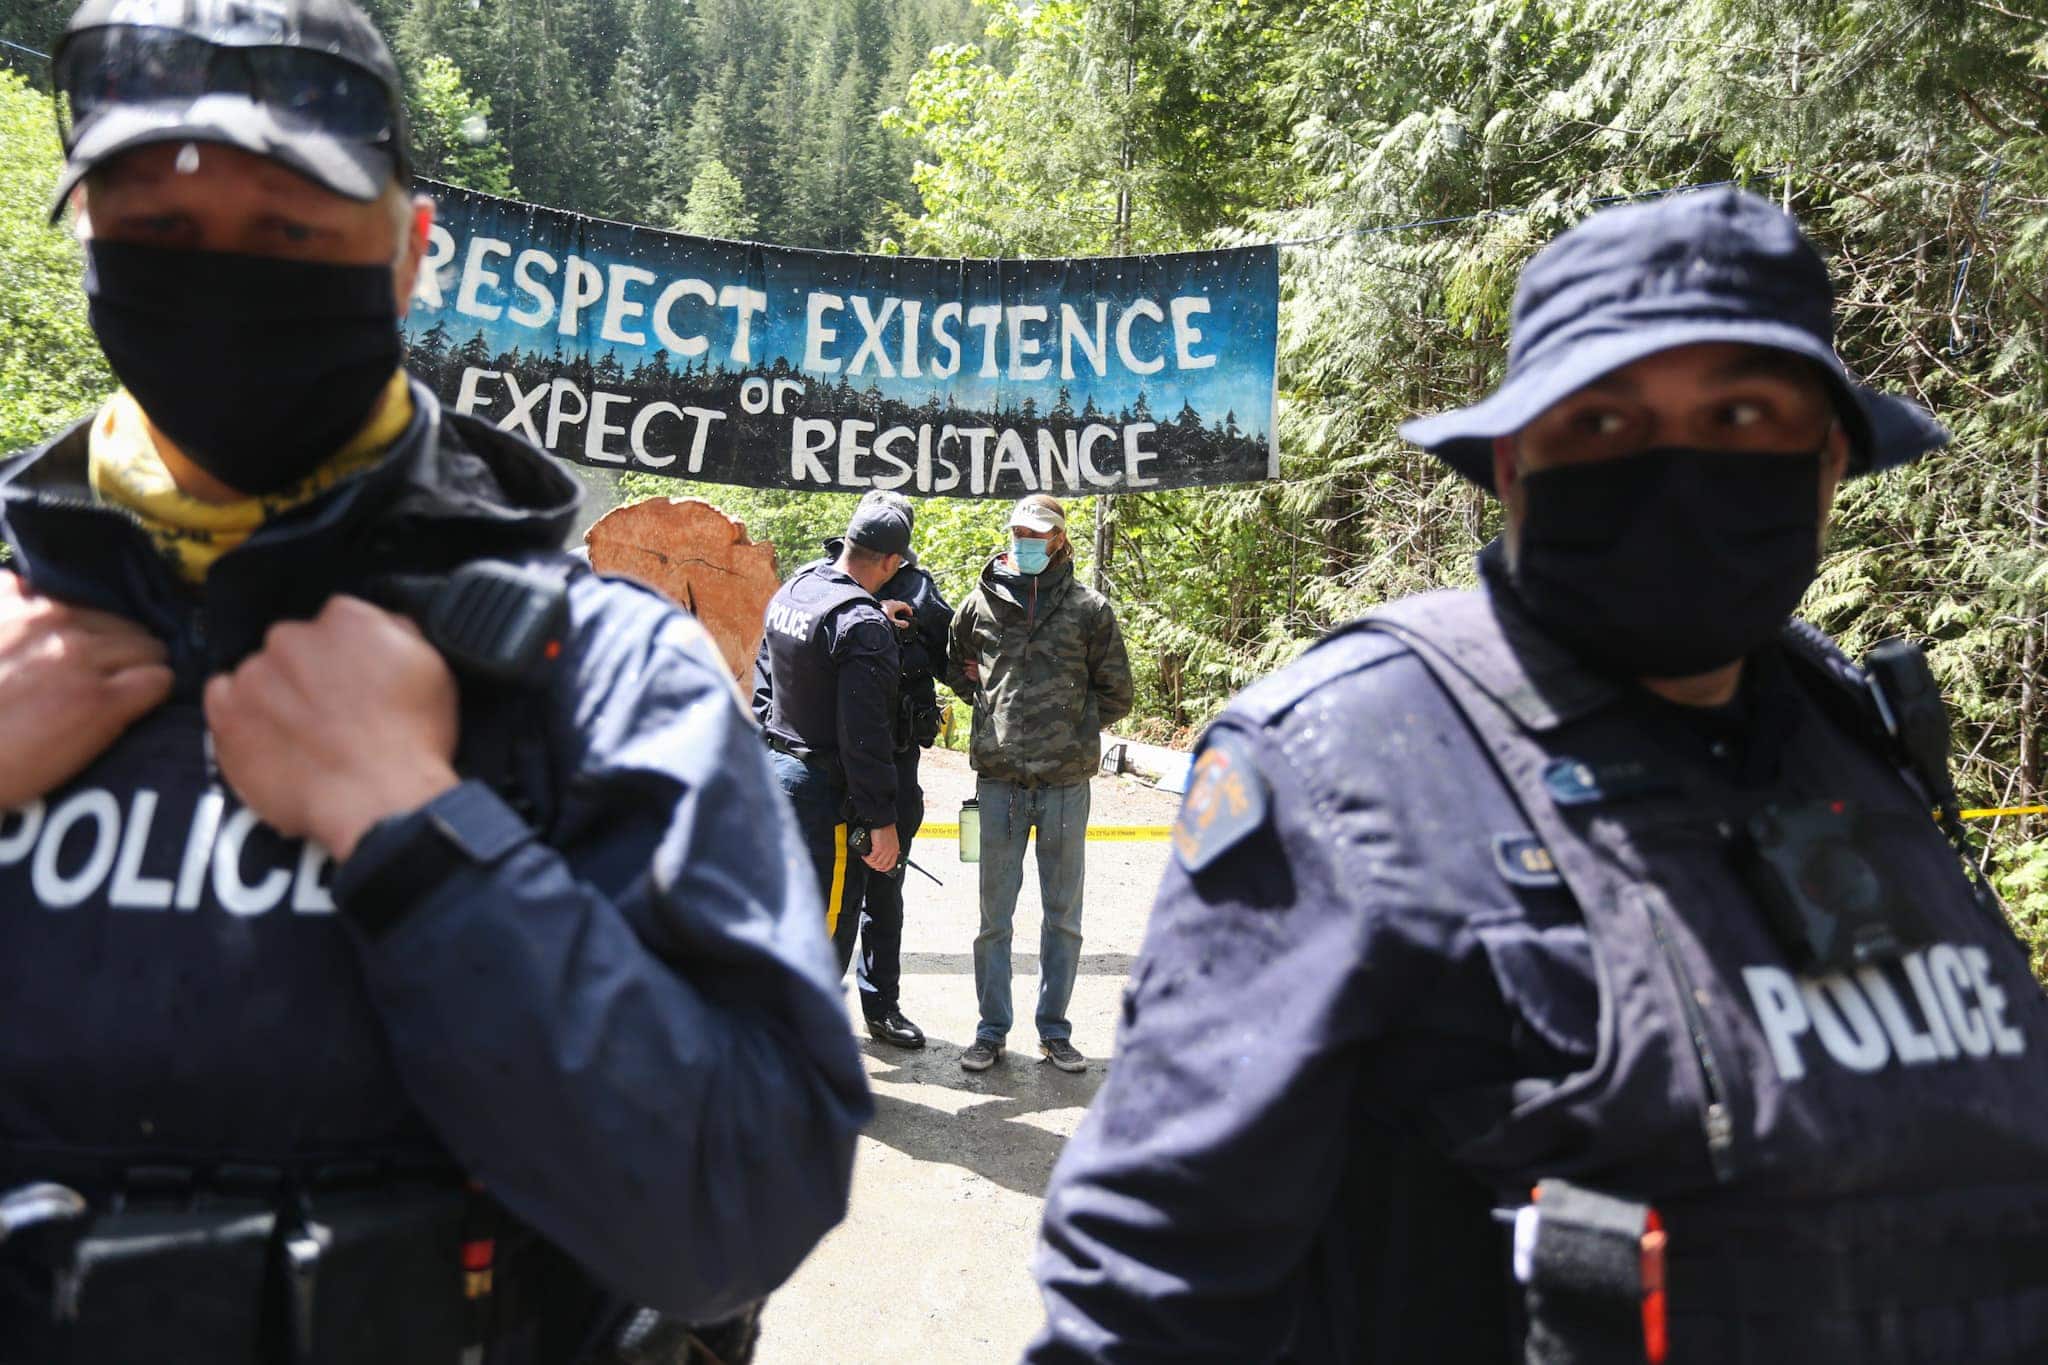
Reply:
x=1448 y=916
x=591 y=975
x=921 y=653
x=832 y=667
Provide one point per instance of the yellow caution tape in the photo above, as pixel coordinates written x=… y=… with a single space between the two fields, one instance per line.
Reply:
x=1996 y=812
x=1157 y=833
x=1096 y=833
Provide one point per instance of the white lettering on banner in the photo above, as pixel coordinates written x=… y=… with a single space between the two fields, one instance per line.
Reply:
x=86 y=846
x=816 y=333
x=582 y=285
x=1022 y=347
x=641 y=421
x=593 y=440
x=491 y=279
x=1074 y=333
x=619 y=306
x=1142 y=308
x=426 y=289
x=1863 y=1024
x=947 y=339
x=677 y=343
x=909 y=367
x=850 y=449
x=832 y=452
x=872 y=327
x=569 y=407
x=543 y=297
x=1012 y=455
x=1016 y=340
x=476 y=274
x=1186 y=334
x=810 y=437
x=989 y=318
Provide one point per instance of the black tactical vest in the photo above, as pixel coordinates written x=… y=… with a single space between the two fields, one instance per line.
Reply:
x=185 y=1039
x=1849 y=1165
x=805 y=713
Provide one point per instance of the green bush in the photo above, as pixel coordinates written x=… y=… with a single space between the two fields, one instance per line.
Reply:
x=51 y=369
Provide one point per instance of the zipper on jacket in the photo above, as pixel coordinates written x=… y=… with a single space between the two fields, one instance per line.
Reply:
x=1716 y=1121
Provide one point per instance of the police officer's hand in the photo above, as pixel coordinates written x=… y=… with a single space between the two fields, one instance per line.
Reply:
x=71 y=680
x=336 y=723
x=899 y=613
x=883 y=850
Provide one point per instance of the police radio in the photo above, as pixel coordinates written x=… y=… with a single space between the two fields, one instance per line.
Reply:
x=1909 y=701
x=859 y=839
x=492 y=620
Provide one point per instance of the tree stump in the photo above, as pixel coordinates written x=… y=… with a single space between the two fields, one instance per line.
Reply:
x=700 y=559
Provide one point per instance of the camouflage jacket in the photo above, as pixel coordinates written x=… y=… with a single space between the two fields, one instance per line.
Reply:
x=1053 y=674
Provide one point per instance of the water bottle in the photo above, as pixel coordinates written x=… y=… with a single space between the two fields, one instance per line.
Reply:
x=970 y=831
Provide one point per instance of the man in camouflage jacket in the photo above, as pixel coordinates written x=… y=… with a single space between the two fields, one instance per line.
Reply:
x=1038 y=656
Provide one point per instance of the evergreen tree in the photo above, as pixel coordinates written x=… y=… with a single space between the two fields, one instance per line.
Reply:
x=452 y=135
x=716 y=205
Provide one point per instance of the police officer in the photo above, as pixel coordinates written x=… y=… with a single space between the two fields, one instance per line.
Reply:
x=915 y=606
x=832 y=682
x=357 y=1002
x=1601 y=882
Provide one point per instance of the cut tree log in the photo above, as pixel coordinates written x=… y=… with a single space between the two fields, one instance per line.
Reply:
x=700 y=559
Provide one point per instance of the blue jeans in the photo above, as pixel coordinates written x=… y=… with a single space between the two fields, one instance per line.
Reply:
x=1008 y=815
x=817 y=800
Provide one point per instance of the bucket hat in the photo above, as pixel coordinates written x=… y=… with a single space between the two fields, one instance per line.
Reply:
x=1720 y=265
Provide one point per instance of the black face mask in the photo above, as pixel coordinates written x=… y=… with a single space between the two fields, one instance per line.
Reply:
x=1672 y=562
x=259 y=369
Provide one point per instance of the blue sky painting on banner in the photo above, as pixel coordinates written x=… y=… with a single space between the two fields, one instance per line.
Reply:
x=626 y=347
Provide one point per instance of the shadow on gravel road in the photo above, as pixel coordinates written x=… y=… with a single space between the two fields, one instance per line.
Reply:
x=989 y=1137
x=1021 y=964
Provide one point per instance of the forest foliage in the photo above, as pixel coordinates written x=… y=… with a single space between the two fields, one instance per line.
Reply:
x=1911 y=136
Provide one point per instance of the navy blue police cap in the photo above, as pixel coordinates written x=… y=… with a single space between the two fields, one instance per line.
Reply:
x=309 y=84
x=1720 y=265
x=882 y=526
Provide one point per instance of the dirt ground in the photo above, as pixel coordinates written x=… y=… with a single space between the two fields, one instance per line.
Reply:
x=933 y=1261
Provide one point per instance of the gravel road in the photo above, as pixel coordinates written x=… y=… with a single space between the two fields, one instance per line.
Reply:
x=931 y=1266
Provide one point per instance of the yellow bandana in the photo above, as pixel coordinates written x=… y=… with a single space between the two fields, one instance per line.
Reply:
x=127 y=471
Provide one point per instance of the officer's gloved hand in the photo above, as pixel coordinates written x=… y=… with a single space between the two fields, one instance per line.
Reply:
x=71 y=680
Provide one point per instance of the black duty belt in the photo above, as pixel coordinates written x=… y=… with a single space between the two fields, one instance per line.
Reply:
x=801 y=753
x=1596 y=1270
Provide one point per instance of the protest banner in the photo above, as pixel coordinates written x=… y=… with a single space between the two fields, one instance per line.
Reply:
x=627 y=348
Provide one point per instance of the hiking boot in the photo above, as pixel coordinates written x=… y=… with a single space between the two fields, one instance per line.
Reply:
x=1062 y=1054
x=894 y=1028
x=981 y=1055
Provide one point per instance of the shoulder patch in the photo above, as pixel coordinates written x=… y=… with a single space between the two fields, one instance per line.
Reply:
x=1227 y=799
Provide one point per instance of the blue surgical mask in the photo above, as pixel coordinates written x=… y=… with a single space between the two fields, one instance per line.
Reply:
x=1030 y=556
